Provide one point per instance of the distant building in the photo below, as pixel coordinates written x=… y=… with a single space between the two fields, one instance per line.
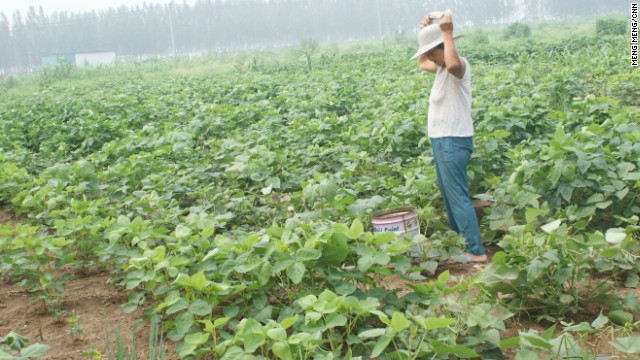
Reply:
x=91 y=59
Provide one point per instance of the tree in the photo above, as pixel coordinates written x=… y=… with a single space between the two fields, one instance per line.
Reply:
x=5 y=43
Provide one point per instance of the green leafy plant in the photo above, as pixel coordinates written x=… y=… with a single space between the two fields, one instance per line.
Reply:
x=546 y=274
x=15 y=347
x=517 y=30
x=76 y=330
x=238 y=208
x=610 y=27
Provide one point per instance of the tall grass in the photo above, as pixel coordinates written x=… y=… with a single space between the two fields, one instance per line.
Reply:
x=156 y=344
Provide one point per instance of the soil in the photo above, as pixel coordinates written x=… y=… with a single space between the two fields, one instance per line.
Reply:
x=97 y=306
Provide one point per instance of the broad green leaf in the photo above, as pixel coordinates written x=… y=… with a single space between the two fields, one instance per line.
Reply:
x=308 y=254
x=631 y=281
x=278 y=334
x=360 y=207
x=335 y=250
x=211 y=254
x=566 y=299
x=432 y=323
x=234 y=353
x=501 y=133
x=628 y=345
x=510 y=342
x=299 y=338
x=182 y=232
x=185 y=349
x=459 y=350
x=524 y=354
x=251 y=265
x=208 y=325
x=264 y=275
x=253 y=335
x=307 y=302
x=124 y=221
x=381 y=258
x=365 y=262
x=335 y=320
x=312 y=316
x=356 y=229
x=288 y=322
x=59 y=242
x=282 y=350
x=199 y=281
x=381 y=345
x=622 y=193
x=535 y=269
x=328 y=190
x=595 y=198
x=296 y=272
x=177 y=306
x=399 y=322
x=582 y=212
x=345 y=288
x=385 y=320
x=183 y=323
x=498 y=273
x=610 y=252
x=196 y=338
x=604 y=204
x=372 y=333
x=200 y=307
x=631 y=302
x=253 y=341
x=535 y=341
x=220 y=321
x=532 y=214
x=551 y=227
x=599 y=322
x=383 y=238
x=33 y=351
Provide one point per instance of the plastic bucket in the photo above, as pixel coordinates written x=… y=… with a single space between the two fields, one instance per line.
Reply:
x=401 y=220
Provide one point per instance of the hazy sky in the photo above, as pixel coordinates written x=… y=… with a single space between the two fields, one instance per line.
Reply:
x=8 y=7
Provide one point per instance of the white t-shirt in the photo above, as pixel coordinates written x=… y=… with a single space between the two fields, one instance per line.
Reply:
x=450 y=105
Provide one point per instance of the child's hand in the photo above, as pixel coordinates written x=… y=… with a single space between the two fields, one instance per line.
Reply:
x=426 y=22
x=446 y=23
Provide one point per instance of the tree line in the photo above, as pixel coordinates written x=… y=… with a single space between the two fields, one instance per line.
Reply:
x=245 y=25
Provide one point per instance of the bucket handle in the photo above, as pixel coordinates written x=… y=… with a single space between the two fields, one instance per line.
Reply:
x=410 y=221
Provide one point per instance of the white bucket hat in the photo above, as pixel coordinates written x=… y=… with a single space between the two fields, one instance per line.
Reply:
x=428 y=38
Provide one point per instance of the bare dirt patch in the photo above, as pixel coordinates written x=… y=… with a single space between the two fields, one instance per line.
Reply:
x=6 y=217
x=97 y=306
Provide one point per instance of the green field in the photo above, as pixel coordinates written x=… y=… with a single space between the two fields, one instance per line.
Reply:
x=232 y=197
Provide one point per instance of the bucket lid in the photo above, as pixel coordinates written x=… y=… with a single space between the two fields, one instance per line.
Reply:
x=403 y=210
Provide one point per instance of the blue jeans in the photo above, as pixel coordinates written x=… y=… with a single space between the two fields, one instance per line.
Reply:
x=451 y=156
